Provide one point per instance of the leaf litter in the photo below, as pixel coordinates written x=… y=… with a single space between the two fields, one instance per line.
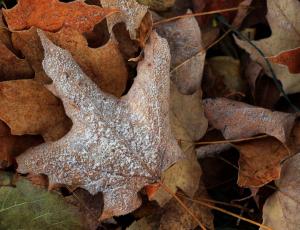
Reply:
x=121 y=113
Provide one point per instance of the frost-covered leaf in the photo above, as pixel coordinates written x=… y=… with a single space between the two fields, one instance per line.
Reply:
x=284 y=20
x=25 y=206
x=187 y=52
x=131 y=13
x=116 y=146
x=281 y=210
x=240 y=120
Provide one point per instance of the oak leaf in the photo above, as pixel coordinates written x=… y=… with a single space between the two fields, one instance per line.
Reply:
x=28 y=43
x=104 y=65
x=11 y=66
x=27 y=107
x=116 y=146
x=52 y=15
x=284 y=20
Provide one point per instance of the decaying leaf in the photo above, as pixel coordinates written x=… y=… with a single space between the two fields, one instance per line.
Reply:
x=290 y=58
x=259 y=161
x=284 y=21
x=175 y=217
x=116 y=146
x=131 y=13
x=25 y=206
x=240 y=120
x=188 y=109
x=187 y=53
x=281 y=210
x=228 y=70
x=104 y=65
x=27 y=107
x=52 y=15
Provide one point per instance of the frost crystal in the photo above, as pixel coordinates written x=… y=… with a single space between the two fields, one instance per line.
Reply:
x=116 y=146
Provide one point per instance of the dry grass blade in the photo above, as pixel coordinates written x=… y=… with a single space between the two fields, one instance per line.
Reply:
x=228 y=213
x=197 y=14
x=182 y=205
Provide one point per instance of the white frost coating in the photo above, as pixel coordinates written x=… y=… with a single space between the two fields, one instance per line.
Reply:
x=116 y=146
x=132 y=13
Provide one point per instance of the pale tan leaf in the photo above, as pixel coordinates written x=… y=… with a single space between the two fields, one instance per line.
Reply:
x=281 y=210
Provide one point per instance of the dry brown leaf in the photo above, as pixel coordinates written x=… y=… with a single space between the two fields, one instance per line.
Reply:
x=12 y=67
x=116 y=146
x=240 y=120
x=4 y=33
x=110 y=74
x=28 y=42
x=131 y=13
x=52 y=15
x=284 y=21
x=281 y=210
x=29 y=108
x=259 y=161
x=11 y=146
x=104 y=65
x=187 y=53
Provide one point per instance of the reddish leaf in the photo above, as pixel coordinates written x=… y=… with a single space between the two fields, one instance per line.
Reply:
x=290 y=58
x=52 y=15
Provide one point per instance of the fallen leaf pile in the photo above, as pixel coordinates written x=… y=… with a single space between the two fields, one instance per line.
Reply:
x=137 y=114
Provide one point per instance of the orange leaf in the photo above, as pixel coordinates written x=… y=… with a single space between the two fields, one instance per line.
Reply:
x=151 y=189
x=52 y=15
x=290 y=58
